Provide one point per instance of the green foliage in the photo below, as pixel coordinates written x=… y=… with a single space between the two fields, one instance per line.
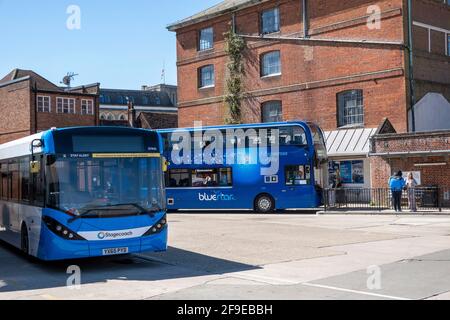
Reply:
x=235 y=46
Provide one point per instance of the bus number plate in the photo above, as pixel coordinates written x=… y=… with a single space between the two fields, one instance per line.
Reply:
x=114 y=251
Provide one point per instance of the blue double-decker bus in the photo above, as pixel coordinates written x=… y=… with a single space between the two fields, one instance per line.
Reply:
x=234 y=180
x=83 y=192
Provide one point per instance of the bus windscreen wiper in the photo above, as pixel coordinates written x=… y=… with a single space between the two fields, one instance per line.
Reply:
x=151 y=211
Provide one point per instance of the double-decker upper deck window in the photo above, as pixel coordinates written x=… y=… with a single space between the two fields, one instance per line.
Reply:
x=270 y=21
x=43 y=104
x=66 y=105
x=350 y=108
x=270 y=64
x=206 y=76
x=206 y=39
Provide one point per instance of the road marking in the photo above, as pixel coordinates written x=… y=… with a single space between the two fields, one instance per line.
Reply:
x=354 y=291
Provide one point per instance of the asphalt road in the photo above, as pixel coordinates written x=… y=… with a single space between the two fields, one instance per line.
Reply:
x=245 y=256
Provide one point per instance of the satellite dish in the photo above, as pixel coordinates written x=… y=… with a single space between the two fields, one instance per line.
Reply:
x=68 y=79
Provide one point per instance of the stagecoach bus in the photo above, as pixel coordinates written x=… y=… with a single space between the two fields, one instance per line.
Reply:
x=296 y=183
x=83 y=192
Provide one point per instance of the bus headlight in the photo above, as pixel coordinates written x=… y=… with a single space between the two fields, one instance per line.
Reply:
x=60 y=230
x=157 y=227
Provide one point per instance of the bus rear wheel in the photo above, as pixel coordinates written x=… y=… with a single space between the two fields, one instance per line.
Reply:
x=264 y=204
x=25 y=242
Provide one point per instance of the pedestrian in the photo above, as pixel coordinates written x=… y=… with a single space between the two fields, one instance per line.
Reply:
x=412 y=184
x=397 y=184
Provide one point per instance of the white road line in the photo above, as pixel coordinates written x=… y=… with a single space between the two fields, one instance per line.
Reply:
x=354 y=291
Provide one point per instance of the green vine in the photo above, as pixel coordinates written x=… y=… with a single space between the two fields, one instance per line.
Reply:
x=235 y=46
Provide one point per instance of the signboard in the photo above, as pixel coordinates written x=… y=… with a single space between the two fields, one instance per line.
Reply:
x=346 y=172
x=417 y=176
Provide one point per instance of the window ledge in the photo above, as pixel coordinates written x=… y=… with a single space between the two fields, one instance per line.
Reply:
x=206 y=87
x=205 y=51
x=352 y=126
x=275 y=75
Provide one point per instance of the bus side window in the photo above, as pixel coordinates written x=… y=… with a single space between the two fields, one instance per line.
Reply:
x=37 y=185
x=25 y=179
x=4 y=181
x=14 y=179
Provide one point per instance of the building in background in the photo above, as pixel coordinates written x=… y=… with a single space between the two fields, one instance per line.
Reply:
x=29 y=103
x=319 y=61
x=135 y=107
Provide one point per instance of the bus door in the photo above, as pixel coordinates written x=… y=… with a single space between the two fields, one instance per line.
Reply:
x=298 y=179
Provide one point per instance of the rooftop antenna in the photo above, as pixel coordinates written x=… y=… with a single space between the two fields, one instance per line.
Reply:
x=68 y=79
x=163 y=73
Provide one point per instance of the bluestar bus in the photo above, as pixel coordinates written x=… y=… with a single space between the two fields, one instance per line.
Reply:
x=83 y=192
x=292 y=179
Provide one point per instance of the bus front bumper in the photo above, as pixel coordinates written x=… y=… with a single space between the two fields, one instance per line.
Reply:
x=54 y=248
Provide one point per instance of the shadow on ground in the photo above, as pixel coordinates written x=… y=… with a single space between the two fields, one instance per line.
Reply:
x=18 y=273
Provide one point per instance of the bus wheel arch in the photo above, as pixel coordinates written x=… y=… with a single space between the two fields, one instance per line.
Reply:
x=264 y=203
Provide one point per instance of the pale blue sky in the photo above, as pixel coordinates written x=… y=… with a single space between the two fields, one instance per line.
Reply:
x=121 y=44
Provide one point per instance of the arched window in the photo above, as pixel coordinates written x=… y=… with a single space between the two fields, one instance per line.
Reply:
x=272 y=111
x=122 y=117
x=102 y=116
x=270 y=63
x=206 y=76
x=350 y=108
x=110 y=117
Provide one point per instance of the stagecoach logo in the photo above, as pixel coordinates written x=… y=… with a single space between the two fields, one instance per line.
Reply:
x=204 y=197
x=114 y=235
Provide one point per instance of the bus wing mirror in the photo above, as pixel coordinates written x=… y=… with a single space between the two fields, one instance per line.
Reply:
x=165 y=164
x=35 y=166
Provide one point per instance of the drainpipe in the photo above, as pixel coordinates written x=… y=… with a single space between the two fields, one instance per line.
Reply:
x=411 y=68
x=305 y=18
x=233 y=22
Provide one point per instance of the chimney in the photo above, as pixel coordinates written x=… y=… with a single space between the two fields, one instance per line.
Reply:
x=144 y=87
x=131 y=114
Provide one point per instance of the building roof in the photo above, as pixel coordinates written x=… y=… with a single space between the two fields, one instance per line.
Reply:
x=141 y=98
x=158 y=120
x=349 y=142
x=214 y=11
x=40 y=82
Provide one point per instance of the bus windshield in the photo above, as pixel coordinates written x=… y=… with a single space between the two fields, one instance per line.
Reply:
x=106 y=187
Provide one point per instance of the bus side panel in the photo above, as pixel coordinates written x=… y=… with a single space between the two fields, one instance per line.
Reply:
x=9 y=223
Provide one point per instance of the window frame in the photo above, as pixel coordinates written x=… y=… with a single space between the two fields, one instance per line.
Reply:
x=199 y=43
x=269 y=104
x=341 y=109
x=42 y=110
x=307 y=175
x=263 y=67
x=61 y=103
x=200 y=84
x=85 y=104
x=261 y=24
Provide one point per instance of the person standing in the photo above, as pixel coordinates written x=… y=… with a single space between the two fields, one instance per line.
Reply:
x=412 y=184
x=397 y=184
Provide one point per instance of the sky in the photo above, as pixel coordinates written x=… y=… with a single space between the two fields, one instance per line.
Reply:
x=121 y=44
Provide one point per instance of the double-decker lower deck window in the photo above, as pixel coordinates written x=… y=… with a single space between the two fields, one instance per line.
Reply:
x=200 y=178
x=298 y=175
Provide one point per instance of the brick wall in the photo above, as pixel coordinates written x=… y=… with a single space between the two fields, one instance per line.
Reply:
x=384 y=166
x=312 y=73
x=14 y=111
x=47 y=120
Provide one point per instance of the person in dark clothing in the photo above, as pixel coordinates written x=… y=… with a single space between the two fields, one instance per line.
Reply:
x=397 y=184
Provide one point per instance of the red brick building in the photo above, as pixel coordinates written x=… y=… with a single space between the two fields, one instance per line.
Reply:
x=29 y=103
x=344 y=64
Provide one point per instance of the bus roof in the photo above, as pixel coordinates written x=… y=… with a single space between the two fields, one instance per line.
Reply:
x=240 y=126
x=21 y=147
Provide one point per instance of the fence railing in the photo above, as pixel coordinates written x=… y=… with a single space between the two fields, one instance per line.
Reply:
x=380 y=199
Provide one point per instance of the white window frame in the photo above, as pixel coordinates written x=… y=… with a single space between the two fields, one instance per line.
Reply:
x=275 y=74
x=429 y=28
x=200 y=39
x=201 y=85
x=63 y=101
x=43 y=107
x=88 y=104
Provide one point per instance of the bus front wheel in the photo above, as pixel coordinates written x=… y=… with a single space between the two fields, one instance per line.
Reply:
x=25 y=243
x=264 y=204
